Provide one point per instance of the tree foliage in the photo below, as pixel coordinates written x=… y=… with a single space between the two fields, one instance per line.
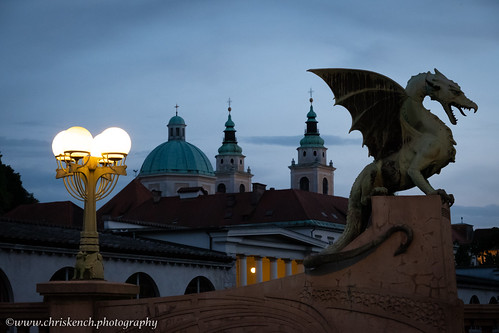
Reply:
x=12 y=192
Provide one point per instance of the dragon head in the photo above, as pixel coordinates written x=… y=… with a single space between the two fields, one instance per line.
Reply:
x=449 y=94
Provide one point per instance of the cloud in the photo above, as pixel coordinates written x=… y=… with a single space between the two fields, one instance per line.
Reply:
x=479 y=217
x=294 y=140
x=24 y=148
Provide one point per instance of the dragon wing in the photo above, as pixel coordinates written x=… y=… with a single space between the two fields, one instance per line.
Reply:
x=374 y=102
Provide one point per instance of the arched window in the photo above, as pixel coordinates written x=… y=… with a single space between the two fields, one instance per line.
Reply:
x=315 y=152
x=148 y=287
x=325 y=186
x=304 y=153
x=231 y=161
x=6 y=294
x=304 y=184
x=493 y=300
x=474 y=300
x=221 y=188
x=242 y=188
x=199 y=284
x=64 y=274
x=221 y=161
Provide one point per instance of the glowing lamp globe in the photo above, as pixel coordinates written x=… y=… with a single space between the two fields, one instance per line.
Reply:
x=77 y=141
x=59 y=145
x=113 y=144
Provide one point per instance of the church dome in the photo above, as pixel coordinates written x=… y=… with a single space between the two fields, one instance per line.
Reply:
x=312 y=141
x=176 y=156
x=176 y=120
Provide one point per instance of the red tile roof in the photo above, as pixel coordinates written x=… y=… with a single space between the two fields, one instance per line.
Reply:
x=131 y=196
x=63 y=213
x=224 y=209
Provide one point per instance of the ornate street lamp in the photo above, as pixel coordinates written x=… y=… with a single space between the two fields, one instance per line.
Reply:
x=90 y=168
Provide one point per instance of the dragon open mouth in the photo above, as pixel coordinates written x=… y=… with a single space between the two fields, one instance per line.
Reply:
x=450 y=111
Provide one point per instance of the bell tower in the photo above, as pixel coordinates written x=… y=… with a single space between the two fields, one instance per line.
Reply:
x=312 y=173
x=230 y=173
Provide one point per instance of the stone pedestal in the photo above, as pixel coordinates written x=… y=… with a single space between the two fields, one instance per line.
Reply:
x=71 y=301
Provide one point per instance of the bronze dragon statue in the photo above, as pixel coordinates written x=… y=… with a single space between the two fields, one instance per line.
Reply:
x=409 y=144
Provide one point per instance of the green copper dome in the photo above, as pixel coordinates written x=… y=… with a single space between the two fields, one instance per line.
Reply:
x=230 y=149
x=176 y=156
x=311 y=115
x=312 y=141
x=176 y=120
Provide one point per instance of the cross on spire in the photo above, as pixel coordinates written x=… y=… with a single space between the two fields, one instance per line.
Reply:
x=311 y=92
x=176 y=109
x=228 y=102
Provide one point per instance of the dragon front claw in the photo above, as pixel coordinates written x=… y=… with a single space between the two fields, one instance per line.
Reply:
x=446 y=198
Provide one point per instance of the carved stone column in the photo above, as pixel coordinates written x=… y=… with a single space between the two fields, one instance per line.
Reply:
x=289 y=266
x=273 y=268
x=259 y=269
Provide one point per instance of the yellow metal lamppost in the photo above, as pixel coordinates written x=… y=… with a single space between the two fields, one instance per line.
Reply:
x=90 y=168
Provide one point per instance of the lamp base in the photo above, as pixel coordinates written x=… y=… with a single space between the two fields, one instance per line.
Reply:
x=89 y=266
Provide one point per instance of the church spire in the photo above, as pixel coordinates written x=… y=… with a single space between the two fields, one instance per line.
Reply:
x=229 y=144
x=229 y=132
x=311 y=121
x=231 y=176
x=312 y=136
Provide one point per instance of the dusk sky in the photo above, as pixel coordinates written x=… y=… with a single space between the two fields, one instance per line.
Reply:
x=127 y=63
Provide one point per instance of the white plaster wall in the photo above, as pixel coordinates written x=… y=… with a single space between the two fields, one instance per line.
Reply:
x=483 y=295
x=25 y=269
x=170 y=183
x=171 y=279
x=200 y=239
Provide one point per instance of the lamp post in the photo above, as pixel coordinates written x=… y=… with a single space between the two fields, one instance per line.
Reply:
x=90 y=168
